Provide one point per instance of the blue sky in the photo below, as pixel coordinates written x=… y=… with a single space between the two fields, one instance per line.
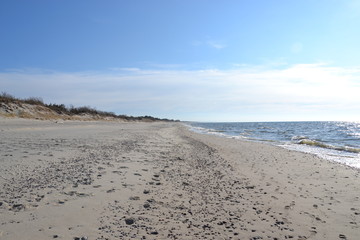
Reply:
x=201 y=60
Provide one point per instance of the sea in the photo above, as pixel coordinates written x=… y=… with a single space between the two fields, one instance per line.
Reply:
x=334 y=141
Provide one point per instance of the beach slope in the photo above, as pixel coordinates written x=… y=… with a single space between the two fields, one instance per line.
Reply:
x=113 y=180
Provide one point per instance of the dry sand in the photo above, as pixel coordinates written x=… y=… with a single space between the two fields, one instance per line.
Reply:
x=108 y=180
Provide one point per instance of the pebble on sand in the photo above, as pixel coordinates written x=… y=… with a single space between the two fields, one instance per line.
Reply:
x=129 y=221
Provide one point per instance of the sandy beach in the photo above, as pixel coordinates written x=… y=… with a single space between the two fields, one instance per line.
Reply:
x=113 y=180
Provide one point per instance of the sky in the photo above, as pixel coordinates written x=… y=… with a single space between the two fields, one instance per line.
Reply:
x=203 y=60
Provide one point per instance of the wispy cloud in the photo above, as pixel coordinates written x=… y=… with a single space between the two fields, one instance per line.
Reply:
x=125 y=69
x=216 y=45
x=296 y=92
x=296 y=47
x=163 y=66
x=209 y=43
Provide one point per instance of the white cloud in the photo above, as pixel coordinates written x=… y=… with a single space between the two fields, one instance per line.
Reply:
x=297 y=92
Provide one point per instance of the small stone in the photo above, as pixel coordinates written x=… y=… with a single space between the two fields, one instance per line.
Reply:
x=129 y=221
x=55 y=236
x=80 y=238
x=146 y=191
x=146 y=205
x=18 y=207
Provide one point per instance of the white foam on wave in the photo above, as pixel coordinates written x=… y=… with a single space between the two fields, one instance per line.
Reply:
x=298 y=138
x=328 y=146
x=347 y=158
x=219 y=133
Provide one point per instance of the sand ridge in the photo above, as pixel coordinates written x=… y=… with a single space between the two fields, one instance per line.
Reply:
x=104 y=180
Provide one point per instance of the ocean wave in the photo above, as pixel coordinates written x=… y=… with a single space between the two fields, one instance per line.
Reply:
x=215 y=131
x=298 y=138
x=314 y=143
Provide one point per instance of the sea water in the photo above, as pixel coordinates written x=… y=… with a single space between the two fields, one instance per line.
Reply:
x=335 y=141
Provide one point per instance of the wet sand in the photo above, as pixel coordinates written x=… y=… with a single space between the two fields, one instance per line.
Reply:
x=108 y=180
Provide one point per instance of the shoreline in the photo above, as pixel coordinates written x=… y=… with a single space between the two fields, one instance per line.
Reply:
x=106 y=180
x=348 y=156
